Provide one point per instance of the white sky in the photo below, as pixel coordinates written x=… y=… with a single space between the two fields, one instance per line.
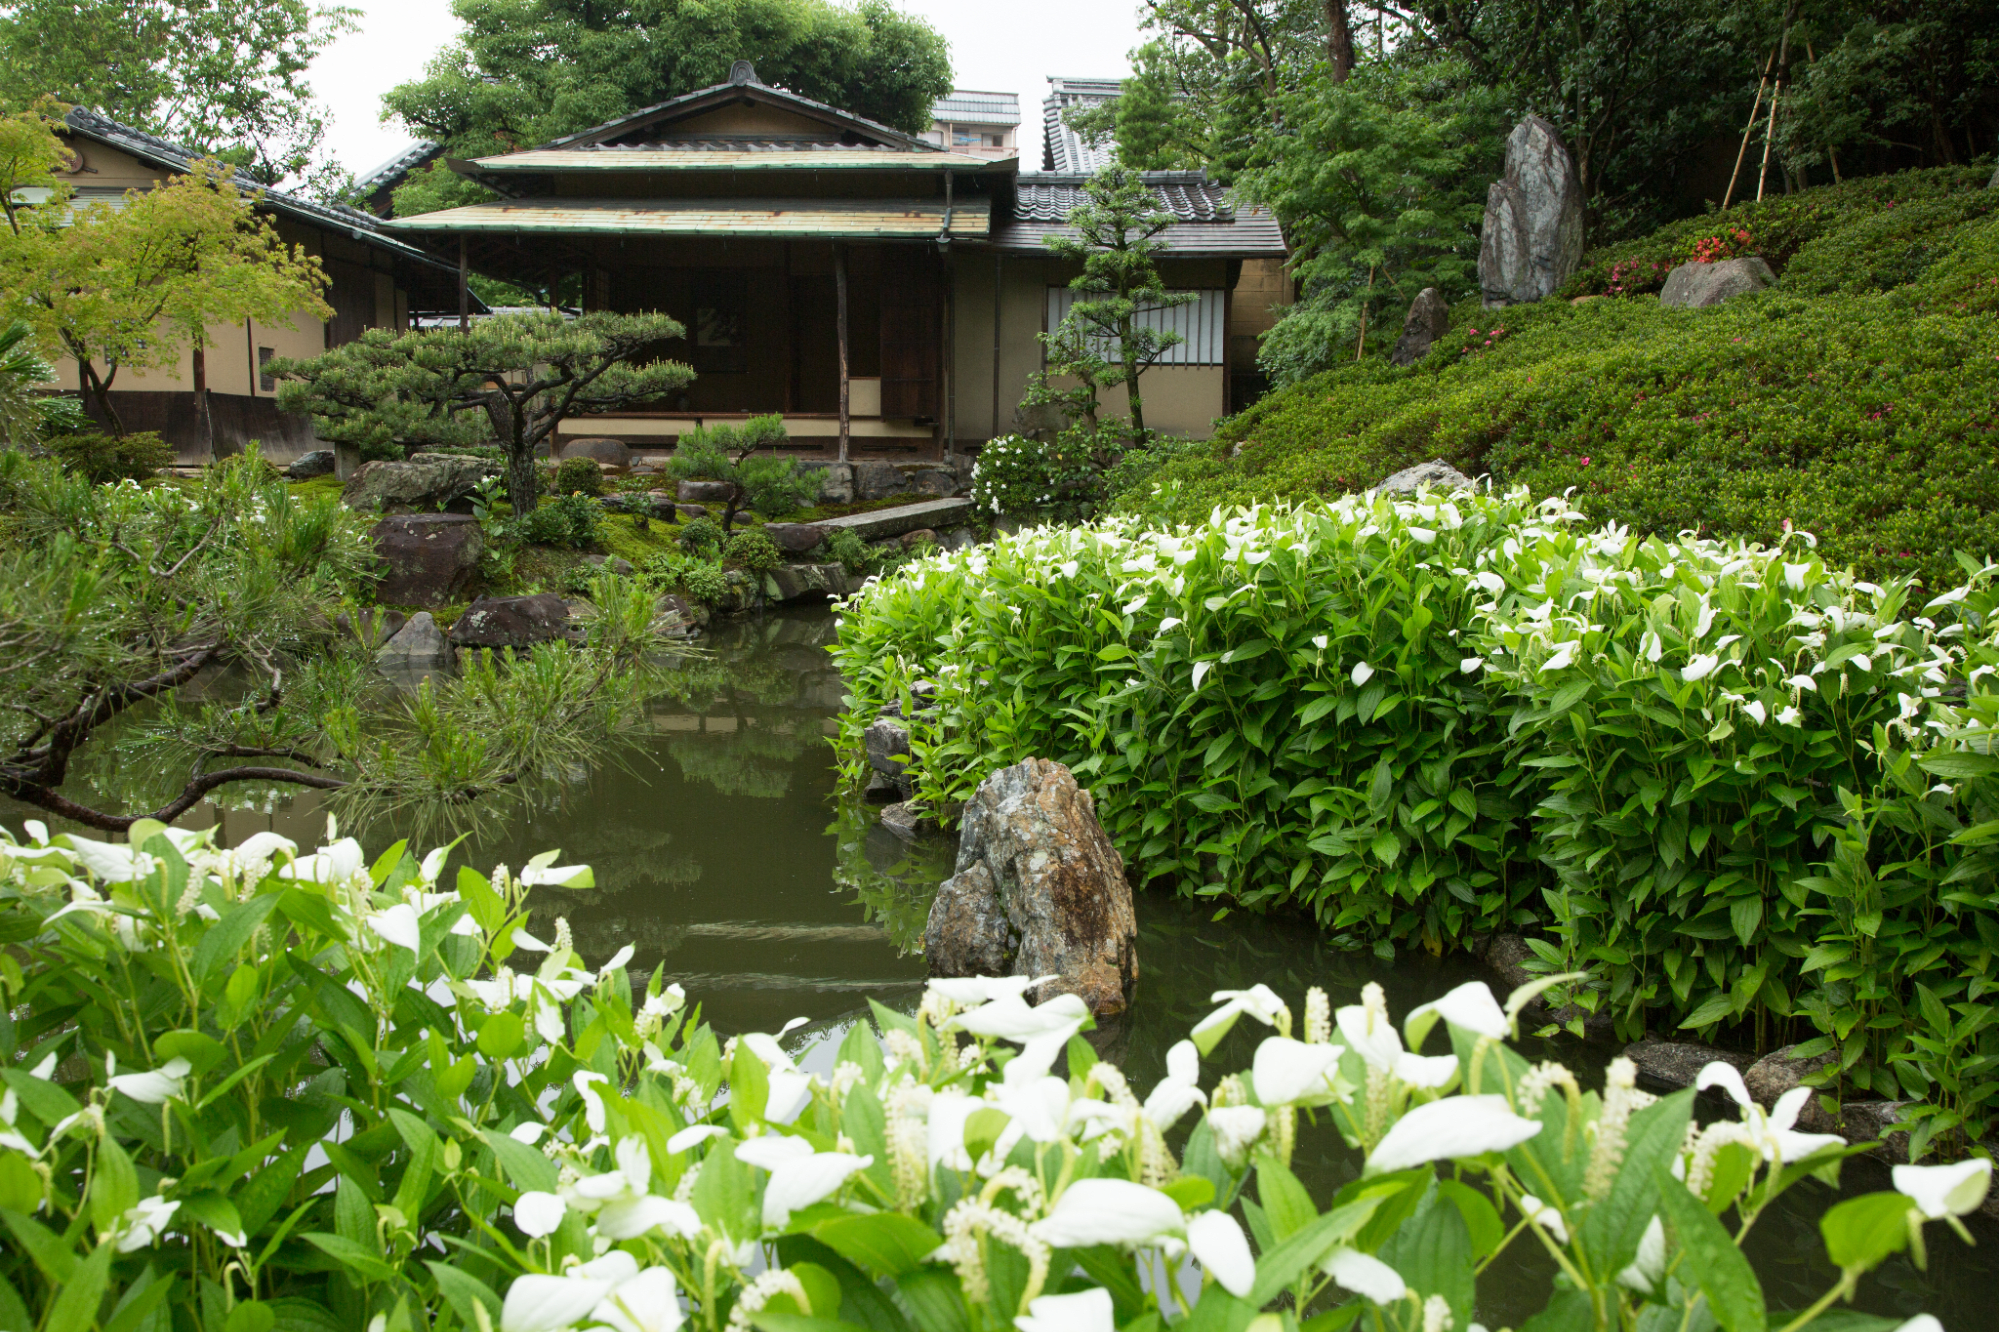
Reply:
x=996 y=45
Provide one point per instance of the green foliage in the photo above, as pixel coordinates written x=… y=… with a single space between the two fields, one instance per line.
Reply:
x=226 y=80
x=579 y=474
x=1109 y=336
x=98 y=457
x=1425 y=721
x=700 y=536
x=752 y=550
x=521 y=75
x=1381 y=185
x=705 y=581
x=188 y=1029
x=570 y=519
x=1027 y=479
x=1859 y=417
x=726 y=452
x=25 y=415
x=512 y=378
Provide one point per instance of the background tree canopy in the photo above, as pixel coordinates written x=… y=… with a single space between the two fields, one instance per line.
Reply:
x=225 y=79
x=527 y=71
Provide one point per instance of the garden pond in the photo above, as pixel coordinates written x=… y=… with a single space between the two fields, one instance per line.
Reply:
x=722 y=853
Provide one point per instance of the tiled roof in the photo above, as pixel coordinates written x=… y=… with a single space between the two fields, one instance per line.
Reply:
x=965 y=106
x=1187 y=195
x=1206 y=223
x=390 y=173
x=363 y=227
x=742 y=79
x=1063 y=149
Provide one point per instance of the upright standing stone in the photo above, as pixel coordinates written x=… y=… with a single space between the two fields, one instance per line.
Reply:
x=1039 y=891
x=1532 y=239
x=1429 y=319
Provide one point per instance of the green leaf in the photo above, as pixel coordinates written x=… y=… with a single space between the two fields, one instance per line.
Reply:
x=1191 y=1192
x=1860 y=1233
x=227 y=937
x=78 y=1299
x=1714 y=1261
x=932 y=1297
x=466 y=1294
x=362 y=1261
x=500 y=1035
x=1482 y=1221
x=525 y=1166
x=1285 y=1201
x=1433 y=1253
x=887 y=1244
x=1279 y=1267
x=1615 y=1224
x=114 y=1186
x=44 y=1246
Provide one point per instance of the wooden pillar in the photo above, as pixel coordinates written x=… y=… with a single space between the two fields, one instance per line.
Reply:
x=947 y=369
x=464 y=292
x=999 y=259
x=840 y=323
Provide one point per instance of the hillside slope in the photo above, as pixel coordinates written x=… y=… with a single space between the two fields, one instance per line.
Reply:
x=1858 y=400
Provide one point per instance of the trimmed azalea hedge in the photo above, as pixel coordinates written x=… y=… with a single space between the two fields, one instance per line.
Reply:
x=1856 y=400
x=251 y=1089
x=1738 y=788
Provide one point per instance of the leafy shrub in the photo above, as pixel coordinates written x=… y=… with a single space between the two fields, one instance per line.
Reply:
x=1862 y=418
x=561 y=520
x=577 y=580
x=845 y=546
x=579 y=474
x=548 y=1149
x=725 y=452
x=1427 y=720
x=101 y=457
x=752 y=550
x=705 y=581
x=1026 y=478
x=700 y=536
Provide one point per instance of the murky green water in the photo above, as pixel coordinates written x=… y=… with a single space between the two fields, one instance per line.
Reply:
x=719 y=853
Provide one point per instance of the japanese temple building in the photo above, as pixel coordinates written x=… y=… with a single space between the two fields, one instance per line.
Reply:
x=840 y=272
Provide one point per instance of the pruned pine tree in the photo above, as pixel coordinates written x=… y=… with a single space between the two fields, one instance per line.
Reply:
x=1119 y=290
x=511 y=379
x=191 y=636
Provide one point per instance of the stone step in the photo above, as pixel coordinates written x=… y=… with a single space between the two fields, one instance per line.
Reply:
x=879 y=523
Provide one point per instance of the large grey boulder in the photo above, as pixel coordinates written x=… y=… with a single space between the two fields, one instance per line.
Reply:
x=512 y=622
x=704 y=492
x=432 y=559
x=836 y=480
x=600 y=450
x=938 y=482
x=424 y=484
x=794 y=538
x=1780 y=1071
x=1532 y=237
x=1676 y=1064
x=1039 y=891
x=1435 y=475
x=1429 y=319
x=1694 y=285
x=306 y=466
x=878 y=481
x=417 y=646
x=885 y=739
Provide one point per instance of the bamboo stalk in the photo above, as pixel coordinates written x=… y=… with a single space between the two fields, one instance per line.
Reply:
x=1749 y=127
x=1768 y=134
x=1360 y=343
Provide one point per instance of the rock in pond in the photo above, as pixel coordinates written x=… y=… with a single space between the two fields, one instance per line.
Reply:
x=1695 y=285
x=1039 y=891
x=1429 y=319
x=424 y=484
x=1676 y=1064
x=886 y=739
x=908 y=820
x=432 y=559
x=1436 y=474
x=1532 y=236
x=511 y=622
x=1780 y=1071
x=371 y=626
x=794 y=538
x=309 y=465
x=418 y=645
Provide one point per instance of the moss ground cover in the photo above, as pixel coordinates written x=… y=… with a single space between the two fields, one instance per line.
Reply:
x=1736 y=786
x=1856 y=400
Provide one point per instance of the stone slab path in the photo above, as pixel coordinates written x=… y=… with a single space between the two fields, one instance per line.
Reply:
x=879 y=523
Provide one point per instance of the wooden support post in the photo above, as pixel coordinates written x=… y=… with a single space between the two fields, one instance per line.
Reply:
x=999 y=258
x=840 y=323
x=1749 y=127
x=1768 y=134
x=464 y=292
x=947 y=361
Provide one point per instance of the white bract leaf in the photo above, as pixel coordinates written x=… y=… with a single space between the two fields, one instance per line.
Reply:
x=1216 y=1240
x=1364 y=1275
x=1452 y=1128
x=1470 y=1006
x=1362 y=673
x=538 y=1301
x=1088 y=1311
x=1953 y=1190
x=537 y=1212
x=398 y=925
x=1107 y=1211
x=1701 y=667
x=156 y=1086
x=1287 y=1071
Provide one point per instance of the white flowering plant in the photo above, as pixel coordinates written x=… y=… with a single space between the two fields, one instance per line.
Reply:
x=1029 y=479
x=1739 y=791
x=253 y=1088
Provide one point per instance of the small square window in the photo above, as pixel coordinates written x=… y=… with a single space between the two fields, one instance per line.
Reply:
x=264 y=381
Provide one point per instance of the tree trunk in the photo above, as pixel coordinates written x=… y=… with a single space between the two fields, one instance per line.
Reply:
x=1339 y=40
x=523 y=482
x=1131 y=371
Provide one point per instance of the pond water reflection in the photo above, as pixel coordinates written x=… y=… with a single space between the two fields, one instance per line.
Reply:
x=720 y=854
